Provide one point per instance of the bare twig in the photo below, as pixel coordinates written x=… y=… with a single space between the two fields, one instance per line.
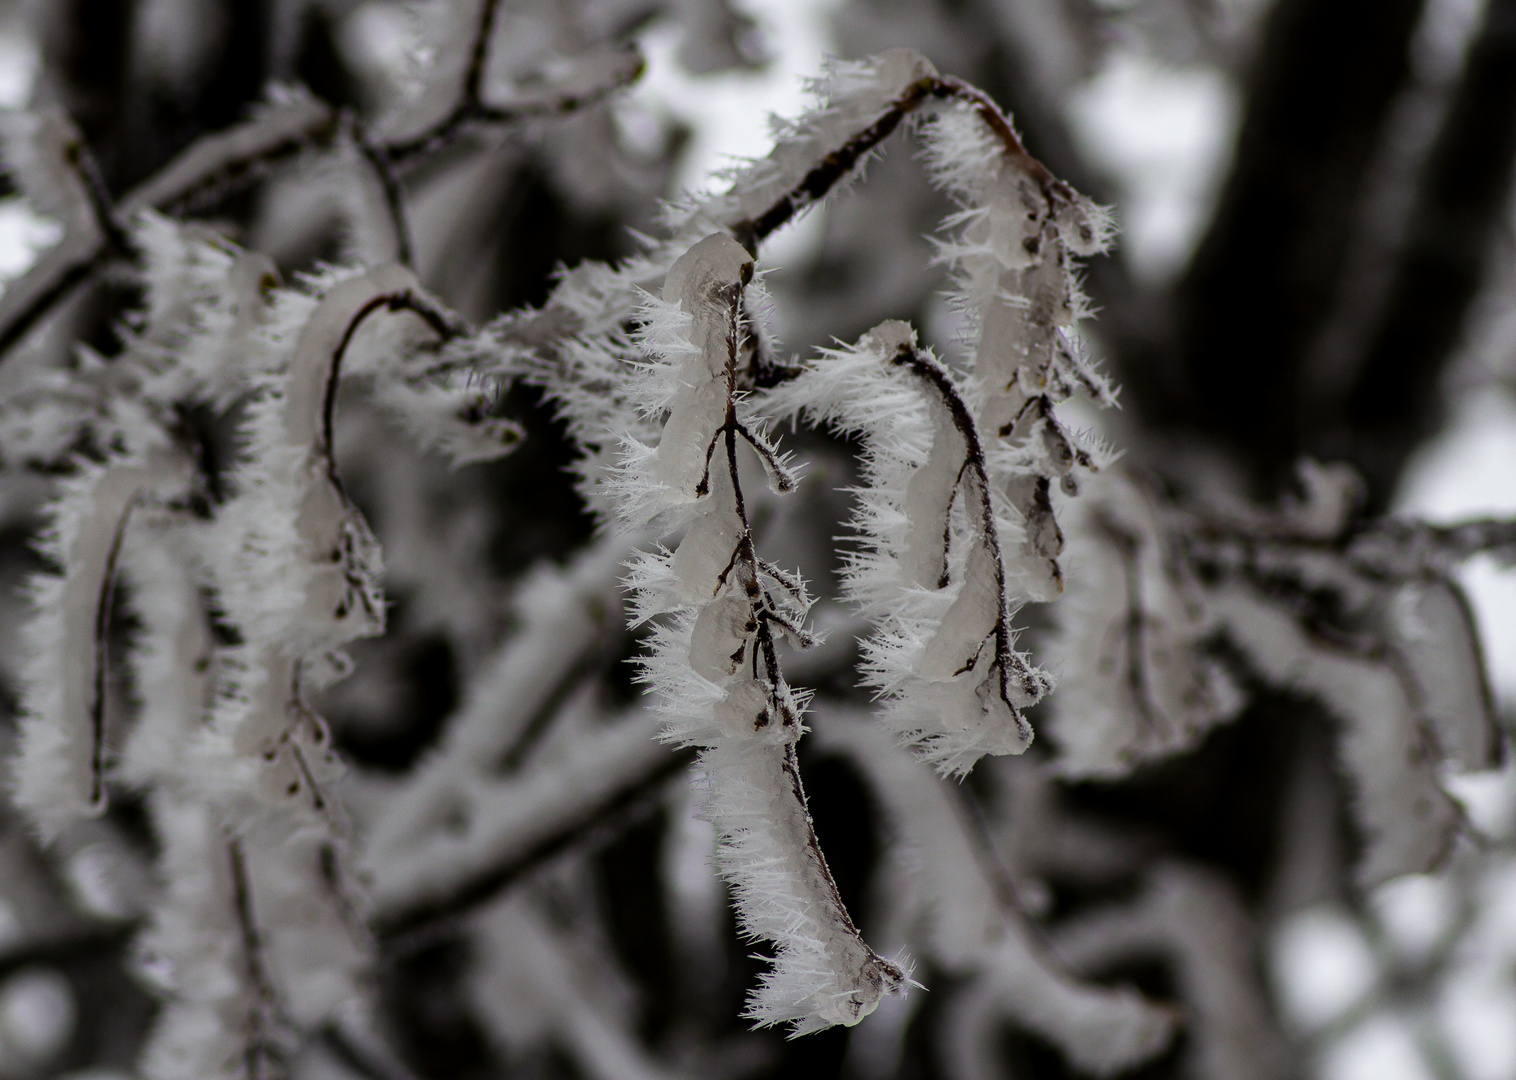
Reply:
x=102 y=659
x=440 y=321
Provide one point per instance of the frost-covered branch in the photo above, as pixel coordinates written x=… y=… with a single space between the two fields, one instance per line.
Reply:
x=347 y=772
x=1018 y=235
x=59 y=774
x=1363 y=618
x=938 y=583
x=1139 y=678
x=715 y=665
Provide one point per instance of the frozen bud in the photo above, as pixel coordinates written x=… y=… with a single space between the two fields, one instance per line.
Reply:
x=875 y=979
x=708 y=270
x=889 y=338
x=1084 y=226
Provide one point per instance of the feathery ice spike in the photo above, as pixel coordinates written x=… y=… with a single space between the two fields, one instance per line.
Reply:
x=931 y=569
x=714 y=664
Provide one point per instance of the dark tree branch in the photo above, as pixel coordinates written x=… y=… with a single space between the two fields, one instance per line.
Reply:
x=394 y=199
x=933 y=374
x=1382 y=548
x=839 y=164
x=407 y=928
x=439 y=321
x=103 y=605
x=471 y=109
x=1261 y=285
x=215 y=165
x=1463 y=196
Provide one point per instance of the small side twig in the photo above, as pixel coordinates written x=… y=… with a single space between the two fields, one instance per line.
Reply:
x=975 y=466
x=103 y=606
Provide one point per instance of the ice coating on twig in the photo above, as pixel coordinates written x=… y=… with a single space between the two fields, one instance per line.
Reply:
x=60 y=774
x=932 y=567
x=1011 y=249
x=713 y=663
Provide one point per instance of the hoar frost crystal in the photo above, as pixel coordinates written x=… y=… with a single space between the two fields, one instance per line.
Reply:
x=668 y=381
x=669 y=385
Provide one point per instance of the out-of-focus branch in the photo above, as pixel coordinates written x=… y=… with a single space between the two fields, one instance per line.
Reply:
x=1464 y=193
x=517 y=826
x=1261 y=284
x=210 y=168
x=1382 y=548
x=1191 y=919
x=587 y=83
x=220 y=163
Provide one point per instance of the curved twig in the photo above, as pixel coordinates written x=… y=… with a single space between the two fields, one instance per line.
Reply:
x=936 y=376
x=436 y=318
x=835 y=166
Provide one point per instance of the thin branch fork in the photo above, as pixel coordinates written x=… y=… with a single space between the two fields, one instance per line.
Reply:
x=764 y=611
x=218 y=162
x=936 y=376
x=468 y=113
